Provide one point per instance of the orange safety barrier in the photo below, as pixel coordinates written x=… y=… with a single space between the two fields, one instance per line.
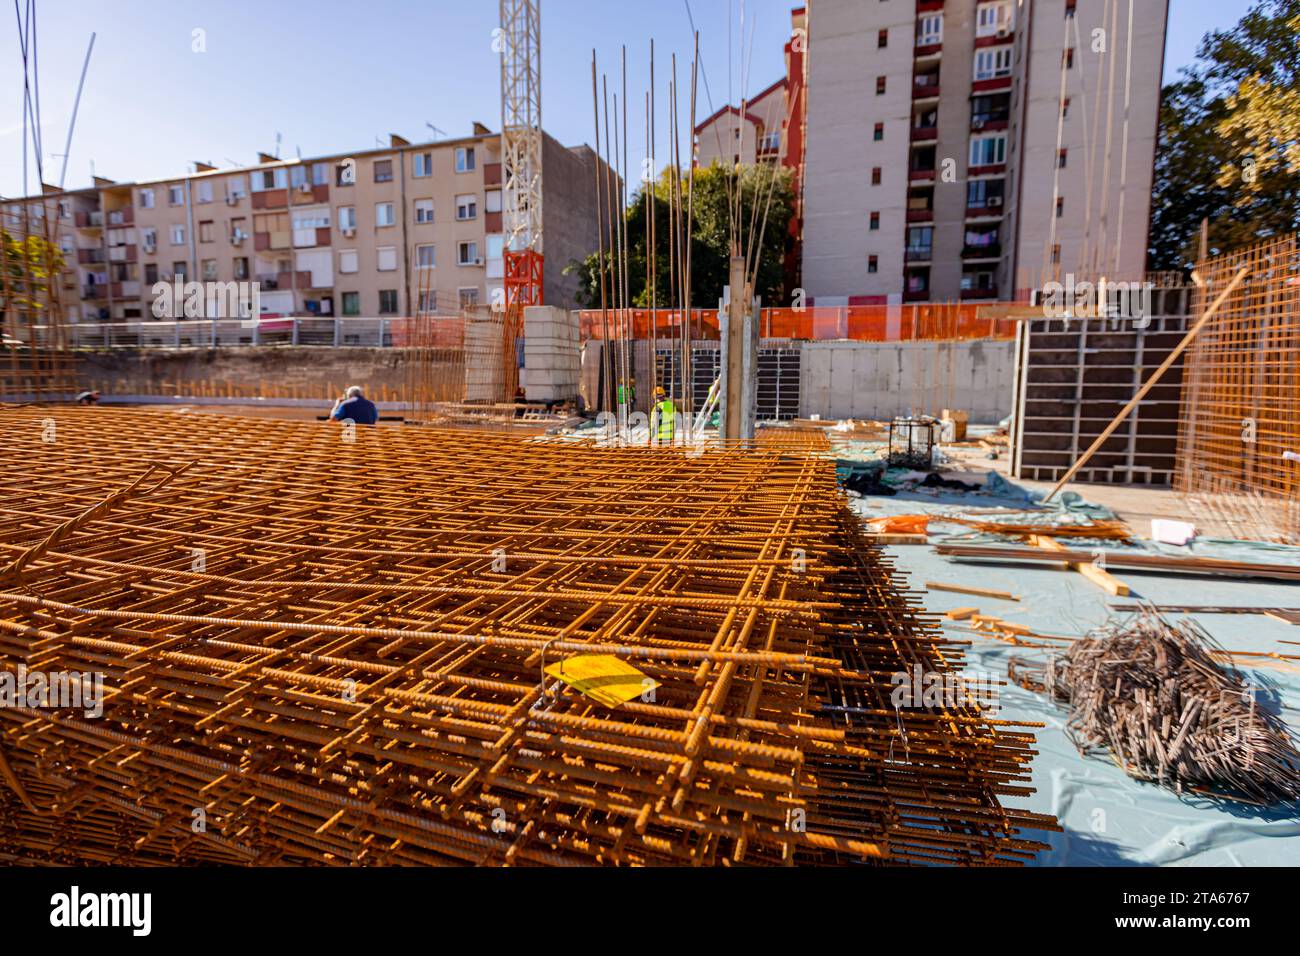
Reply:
x=861 y=323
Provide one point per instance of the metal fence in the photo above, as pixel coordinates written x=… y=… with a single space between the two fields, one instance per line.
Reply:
x=200 y=333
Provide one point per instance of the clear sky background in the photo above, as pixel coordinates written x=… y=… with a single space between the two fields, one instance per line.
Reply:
x=332 y=75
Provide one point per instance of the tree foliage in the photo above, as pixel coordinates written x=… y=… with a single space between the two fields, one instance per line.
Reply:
x=710 y=241
x=1229 y=145
x=28 y=267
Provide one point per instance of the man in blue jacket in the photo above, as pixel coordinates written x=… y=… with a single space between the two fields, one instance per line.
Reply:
x=354 y=406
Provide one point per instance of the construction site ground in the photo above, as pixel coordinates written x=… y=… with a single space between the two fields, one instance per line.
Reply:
x=1109 y=818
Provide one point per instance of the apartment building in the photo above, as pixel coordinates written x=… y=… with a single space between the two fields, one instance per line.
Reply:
x=376 y=232
x=974 y=149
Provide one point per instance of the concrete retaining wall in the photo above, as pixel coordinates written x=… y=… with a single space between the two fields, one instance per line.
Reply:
x=879 y=380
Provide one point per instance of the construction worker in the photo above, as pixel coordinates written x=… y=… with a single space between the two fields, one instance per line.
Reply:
x=663 y=418
x=354 y=407
x=626 y=393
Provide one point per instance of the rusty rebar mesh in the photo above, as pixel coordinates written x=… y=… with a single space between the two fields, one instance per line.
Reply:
x=331 y=652
x=1239 y=431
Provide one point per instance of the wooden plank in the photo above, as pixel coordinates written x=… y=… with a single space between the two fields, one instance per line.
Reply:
x=966 y=589
x=961 y=613
x=1089 y=570
x=1286 y=616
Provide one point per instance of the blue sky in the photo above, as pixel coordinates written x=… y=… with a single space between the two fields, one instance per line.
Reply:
x=331 y=75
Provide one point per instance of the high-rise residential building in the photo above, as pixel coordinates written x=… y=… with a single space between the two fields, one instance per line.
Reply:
x=365 y=233
x=975 y=149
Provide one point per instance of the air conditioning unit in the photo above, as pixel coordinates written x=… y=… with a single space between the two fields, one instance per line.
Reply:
x=993 y=201
x=977 y=124
x=150 y=247
x=237 y=238
x=1004 y=31
x=478 y=261
x=348 y=232
x=232 y=200
x=304 y=187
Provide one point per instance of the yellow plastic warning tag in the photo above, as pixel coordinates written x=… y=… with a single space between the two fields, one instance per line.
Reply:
x=602 y=677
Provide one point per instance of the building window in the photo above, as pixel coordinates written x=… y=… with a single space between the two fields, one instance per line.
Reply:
x=146 y=199
x=386 y=258
x=988 y=150
x=383 y=170
x=209 y=270
x=492 y=200
x=387 y=301
x=351 y=303
x=348 y=260
x=384 y=214
x=149 y=239
x=929 y=31
x=875 y=221
x=203 y=190
x=178 y=235
x=990 y=64
x=873 y=264
x=985 y=193
x=348 y=217
x=994 y=19
x=875 y=176
x=176 y=195
x=467 y=297
x=241 y=267
x=464 y=159
x=151 y=272
x=881 y=83
x=345 y=173
x=467 y=253
x=205 y=230
x=466 y=207
x=882 y=39
x=422 y=165
x=920 y=242
x=424 y=257
x=424 y=211
x=878 y=133
x=178 y=270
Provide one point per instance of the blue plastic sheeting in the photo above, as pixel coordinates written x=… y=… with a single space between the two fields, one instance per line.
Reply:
x=1109 y=818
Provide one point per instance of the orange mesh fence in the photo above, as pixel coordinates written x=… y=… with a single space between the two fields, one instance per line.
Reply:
x=862 y=323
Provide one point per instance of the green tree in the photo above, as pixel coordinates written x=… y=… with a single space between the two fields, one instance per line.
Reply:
x=710 y=240
x=28 y=268
x=1229 y=145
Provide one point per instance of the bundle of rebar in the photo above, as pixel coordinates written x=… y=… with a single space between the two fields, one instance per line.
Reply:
x=1152 y=694
x=334 y=645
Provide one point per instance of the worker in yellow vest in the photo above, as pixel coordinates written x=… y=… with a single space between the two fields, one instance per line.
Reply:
x=663 y=418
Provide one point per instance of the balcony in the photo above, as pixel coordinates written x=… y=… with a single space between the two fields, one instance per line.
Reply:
x=992 y=169
x=491 y=174
x=979 y=293
x=271 y=199
x=990 y=250
x=921 y=175
x=89 y=220
x=919 y=253
x=920 y=215
x=121 y=217
x=128 y=289
x=996 y=84
x=123 y=253
x=93 y=292
x=985 y=211
x=920 y=295
x=286 y=280
x=926 y=87
x=493 y=222
x=322 y=235
x=929 y=6
x=309 y=196
x=925 y=134
x=90 y=256
x=989 y=122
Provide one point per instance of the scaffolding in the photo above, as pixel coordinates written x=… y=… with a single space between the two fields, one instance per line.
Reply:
x=348 y=646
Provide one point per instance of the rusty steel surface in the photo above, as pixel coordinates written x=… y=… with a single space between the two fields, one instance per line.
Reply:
x=317 y=650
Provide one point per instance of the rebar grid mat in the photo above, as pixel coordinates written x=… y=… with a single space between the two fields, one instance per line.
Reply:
x=1240 y=426
x=326 y=646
